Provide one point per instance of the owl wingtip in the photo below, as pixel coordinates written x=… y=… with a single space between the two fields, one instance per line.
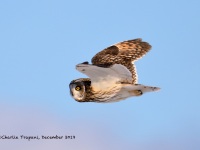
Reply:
x=85 y=62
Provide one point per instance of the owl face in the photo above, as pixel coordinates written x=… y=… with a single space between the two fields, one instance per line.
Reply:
x=78 y=89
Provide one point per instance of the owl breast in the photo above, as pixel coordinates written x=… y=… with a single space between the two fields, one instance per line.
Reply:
x=104 y=95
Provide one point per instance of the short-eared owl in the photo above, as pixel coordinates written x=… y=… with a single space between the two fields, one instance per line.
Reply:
x=112 y=74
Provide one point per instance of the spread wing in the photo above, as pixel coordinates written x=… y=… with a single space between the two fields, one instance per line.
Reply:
x=106 y=75
x=124 y=53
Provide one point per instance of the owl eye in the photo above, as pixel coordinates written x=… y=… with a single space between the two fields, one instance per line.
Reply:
x=78 y=88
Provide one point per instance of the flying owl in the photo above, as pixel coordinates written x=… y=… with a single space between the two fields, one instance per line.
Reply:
x=112 y=74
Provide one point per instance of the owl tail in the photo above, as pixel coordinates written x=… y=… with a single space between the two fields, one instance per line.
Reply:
x=139 y=89
x=145 y=88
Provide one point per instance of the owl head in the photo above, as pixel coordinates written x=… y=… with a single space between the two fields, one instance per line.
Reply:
x=78 y=88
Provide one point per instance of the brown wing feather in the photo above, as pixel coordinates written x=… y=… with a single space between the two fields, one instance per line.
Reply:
x=125 y=53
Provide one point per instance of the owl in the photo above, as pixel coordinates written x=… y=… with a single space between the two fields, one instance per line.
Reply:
x=112 y=74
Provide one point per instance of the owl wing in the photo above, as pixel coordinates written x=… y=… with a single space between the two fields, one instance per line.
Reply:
x=124 y=53
x=116 y=73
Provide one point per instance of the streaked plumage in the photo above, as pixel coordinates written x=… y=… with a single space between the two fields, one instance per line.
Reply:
x=112 y=74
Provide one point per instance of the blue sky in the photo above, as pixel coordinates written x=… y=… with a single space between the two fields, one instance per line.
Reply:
x=42 y=41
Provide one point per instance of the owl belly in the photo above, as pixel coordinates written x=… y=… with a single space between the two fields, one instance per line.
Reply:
x=112 y=94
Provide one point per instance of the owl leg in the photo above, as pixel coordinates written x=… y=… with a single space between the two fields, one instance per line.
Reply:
x=136 y=92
